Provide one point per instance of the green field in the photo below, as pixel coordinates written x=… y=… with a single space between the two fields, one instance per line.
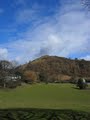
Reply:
x=47 y=96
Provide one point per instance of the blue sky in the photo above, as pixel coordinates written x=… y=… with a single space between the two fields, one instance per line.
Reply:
x=32 y=28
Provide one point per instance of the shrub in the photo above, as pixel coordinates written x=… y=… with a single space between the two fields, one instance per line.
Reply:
x=81 y=83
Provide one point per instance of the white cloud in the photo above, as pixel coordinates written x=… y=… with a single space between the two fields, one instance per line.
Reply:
x=65 y=34
x=87 y=57
x=25 y=16
x=3 y=53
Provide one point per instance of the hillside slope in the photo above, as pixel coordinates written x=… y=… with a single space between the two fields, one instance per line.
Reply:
x=57 y=68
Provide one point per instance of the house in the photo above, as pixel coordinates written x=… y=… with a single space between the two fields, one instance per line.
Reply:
x=11 y=81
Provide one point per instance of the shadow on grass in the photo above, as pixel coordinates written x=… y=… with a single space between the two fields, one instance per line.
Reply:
x=88 y=88
x=75 y=88
x=42 y=114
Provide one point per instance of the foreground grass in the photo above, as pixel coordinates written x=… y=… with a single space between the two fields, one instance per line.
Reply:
x=51 y=96
x=42 y=114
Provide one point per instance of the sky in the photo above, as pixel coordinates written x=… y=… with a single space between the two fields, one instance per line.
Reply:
x=33 y=28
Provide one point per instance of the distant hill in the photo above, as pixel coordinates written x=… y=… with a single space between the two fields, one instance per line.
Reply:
x=53 y=68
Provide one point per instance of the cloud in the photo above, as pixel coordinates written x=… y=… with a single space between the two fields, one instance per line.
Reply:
x=70 y=34
x=3 y=53
x=28 y=12
x=20 y=3
x=66 y=33
x=87 y=57
x=25 y=16
x=32 y=13
x=86 y=4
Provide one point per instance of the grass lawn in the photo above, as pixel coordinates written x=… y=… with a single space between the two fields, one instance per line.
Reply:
x=48 y=96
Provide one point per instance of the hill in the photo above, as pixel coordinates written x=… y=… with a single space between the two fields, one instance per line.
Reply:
x=53 y=68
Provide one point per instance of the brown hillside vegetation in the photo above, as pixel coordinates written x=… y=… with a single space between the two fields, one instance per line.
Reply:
x=53 y=68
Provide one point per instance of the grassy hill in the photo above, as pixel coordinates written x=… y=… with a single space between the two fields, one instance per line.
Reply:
x=50 y=96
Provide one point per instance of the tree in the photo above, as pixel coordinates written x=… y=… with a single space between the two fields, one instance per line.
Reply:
x=81 y=83
x=30 y=76
x=7 y=69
